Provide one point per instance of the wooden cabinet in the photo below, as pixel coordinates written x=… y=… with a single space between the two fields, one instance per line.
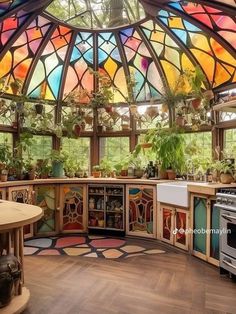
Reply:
x=73 y=208
x=141 y=210
x=3 y=194
x=22 y=194
x=45 y=197
x=106 y=207
x=205 y=226
x=173 y=225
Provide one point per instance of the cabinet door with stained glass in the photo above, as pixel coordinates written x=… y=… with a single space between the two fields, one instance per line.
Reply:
x=181 y=226
x=167 y=223
x=141 y=210
x=45 y=197
x=72 y=206
x=22 y=194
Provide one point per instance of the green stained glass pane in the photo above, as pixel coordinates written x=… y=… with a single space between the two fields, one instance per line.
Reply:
x=200 y=225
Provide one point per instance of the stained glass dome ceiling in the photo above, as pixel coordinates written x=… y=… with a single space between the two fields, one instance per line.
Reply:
x=52 y=58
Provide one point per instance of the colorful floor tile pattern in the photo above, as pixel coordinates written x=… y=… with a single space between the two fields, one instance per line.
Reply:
x=91 y=246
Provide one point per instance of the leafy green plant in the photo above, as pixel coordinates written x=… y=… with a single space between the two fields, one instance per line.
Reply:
x=59 y=156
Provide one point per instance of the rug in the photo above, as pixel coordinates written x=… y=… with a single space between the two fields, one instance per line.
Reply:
x=91 y=246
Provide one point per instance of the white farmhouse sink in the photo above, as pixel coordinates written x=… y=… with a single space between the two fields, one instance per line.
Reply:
x=174 y=193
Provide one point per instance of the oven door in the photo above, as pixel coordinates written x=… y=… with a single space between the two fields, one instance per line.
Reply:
x=228 y=229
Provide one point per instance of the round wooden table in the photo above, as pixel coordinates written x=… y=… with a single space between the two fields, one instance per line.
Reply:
x=13 y=217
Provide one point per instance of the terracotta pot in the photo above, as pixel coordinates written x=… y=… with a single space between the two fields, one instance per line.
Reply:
x=163 y=175
x=125 y=127
x=3 y=177
x=171 y=174
x=208 y=94
x=108 y=108
x=124 y=173
x=196 y=103
x=96 y=174
x=180 y=121
x=88 y=120
x=226 y=178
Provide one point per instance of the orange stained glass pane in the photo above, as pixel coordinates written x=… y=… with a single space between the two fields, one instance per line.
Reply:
x=22 y=69
x=221 y=75
x=71 y=81
x=10 y=23
x=221 y=53
x=206 y=62
x=171 y=73
x=201 y=42
x=176 y=22
x=33 y=33
x=111 y=67
x=5 y=64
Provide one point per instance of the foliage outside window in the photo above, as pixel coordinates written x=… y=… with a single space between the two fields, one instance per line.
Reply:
x=230 y=143
x=79 y=150
x=7 y=139
x=40 y=148
x=114 y=148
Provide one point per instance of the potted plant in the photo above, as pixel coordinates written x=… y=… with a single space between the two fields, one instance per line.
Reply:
x=106 y=168
x=70 y=167
x=15 y=86
x=4 y=175
x=226 y=173
x=96 y=171
x=43 y=168
x=30 y=169
x=58 y=158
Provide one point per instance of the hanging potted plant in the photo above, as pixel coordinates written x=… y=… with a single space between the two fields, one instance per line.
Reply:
x=15 y=86
x=39 y=108
x=152 y=111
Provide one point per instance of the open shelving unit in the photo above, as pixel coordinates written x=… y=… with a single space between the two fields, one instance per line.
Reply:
x=106 y=207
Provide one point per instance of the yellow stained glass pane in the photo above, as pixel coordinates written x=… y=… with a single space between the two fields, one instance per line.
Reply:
x=206 y=61
x=111 y=67
x=221 y=75
x=222 y=53
x=186 y=63
x=230 y=69
x=171 y=72
x=158 y=36
x=176 y=22
x=49 y=94
x=5 y=64
x=201 y=42
x=120 y=82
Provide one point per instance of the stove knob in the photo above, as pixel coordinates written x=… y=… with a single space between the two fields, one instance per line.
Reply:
x=219 y=200
x=224 y=200
x=230 y=202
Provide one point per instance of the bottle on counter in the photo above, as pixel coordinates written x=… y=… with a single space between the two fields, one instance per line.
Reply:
x=151 y=170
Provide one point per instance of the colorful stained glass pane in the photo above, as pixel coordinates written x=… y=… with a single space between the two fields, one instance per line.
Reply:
x=78 y=75
x=46 y=79
x=200 y=223
x=7 y=5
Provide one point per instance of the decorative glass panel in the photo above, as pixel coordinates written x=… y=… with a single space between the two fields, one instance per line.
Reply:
x=200 y=225
x=46 y=199
x=73 y=208
x=141 y=210
x=181 y=223
x=167 y=220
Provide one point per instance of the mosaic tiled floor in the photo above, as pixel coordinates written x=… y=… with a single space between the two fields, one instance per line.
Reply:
x=90 y=246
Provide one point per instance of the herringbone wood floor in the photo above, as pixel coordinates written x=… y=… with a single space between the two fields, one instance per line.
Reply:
x=163 y=283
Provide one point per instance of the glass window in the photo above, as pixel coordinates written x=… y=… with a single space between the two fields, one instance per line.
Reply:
x=79 y=149
x=202 y=142
x=41 y=147
x=230 y=142
x=114 y=148
x=6 y=138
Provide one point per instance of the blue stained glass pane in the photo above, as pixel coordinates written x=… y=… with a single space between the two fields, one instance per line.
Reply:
x=75 y=55
x=139 y=79
x=163 y=13
x=176 y=5
x=54 y=80
x=105 y=36
x=123 y=38
x=181 y=34
x=154 y=92
x=116 y=54
x=164 y=20
x=190 y=27
x=200 y=223
x=36 y=93
x=128 y=31
x=147 y=32
x=89 y=56
x=101 y=55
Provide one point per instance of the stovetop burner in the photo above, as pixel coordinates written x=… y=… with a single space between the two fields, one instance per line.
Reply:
x=230 y=191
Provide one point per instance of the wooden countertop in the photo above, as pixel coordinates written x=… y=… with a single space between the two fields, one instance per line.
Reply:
x=89 y=180
x=208 y=188
x=14 y=215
